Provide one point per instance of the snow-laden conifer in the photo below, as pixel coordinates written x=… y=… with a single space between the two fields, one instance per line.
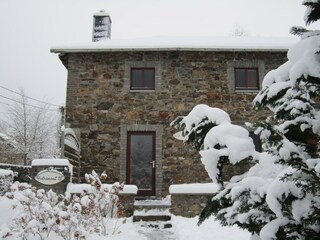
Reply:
x=279 y=196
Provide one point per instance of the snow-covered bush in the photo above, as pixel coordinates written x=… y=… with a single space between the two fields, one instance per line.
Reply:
x=279 y=196
x=6 y=179
x=40 y=213
x=89 y=212
x=33 y=210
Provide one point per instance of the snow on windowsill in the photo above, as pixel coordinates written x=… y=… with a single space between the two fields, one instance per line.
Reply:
x=194 y=188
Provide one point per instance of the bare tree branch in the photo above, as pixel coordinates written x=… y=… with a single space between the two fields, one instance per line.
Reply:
x=32 y=130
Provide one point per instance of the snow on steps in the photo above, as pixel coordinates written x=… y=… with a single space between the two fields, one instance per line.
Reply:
x=153 y=213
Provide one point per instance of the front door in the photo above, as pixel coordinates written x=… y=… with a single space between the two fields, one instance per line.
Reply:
x=141 y=162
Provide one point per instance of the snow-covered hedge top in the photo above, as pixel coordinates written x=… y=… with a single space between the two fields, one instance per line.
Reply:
x=79 y=188
x=15 y=165
x=194 y=188
x=4 y=173
x=229 y=43
x=50 y=162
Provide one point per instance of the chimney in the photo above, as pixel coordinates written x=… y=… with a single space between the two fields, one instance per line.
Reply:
x=101 y=26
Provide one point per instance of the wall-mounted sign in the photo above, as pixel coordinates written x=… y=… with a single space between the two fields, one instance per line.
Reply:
x=49 y=177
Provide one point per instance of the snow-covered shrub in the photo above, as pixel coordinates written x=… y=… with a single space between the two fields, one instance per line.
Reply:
x=88 y=213
x=105 y=200
x=37 y=212
x=6 y=179
x=33 y=211
x=279 y=196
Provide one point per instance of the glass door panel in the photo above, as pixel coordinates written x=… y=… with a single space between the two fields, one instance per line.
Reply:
x=141 y=164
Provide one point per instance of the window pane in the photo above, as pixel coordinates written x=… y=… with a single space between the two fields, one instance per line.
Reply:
x=246 y=78
x=240 y=78
x=252 y=79
x=141 y=161
x=136 y=78
x=149 y=78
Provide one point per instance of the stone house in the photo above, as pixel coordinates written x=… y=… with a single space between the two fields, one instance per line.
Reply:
x=123 y=94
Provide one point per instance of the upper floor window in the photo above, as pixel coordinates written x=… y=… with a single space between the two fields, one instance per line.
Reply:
x=142 y=76
x=142 y=79
x=246 y=78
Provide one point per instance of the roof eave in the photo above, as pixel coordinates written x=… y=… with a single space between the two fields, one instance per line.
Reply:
x=79 y=50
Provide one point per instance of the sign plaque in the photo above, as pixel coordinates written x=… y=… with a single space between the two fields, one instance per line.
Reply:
x=49 y=177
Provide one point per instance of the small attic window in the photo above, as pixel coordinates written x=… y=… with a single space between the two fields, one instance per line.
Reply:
x=142 y=79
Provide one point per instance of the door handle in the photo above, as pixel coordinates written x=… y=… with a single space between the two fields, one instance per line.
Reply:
x=153 y=163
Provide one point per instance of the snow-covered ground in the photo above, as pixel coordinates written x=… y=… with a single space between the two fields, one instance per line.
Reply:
x=125 y=229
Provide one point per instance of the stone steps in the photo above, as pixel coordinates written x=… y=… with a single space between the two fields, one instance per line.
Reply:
x=154 y=213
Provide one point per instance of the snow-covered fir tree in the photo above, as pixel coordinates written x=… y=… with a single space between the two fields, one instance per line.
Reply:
x=279 y=196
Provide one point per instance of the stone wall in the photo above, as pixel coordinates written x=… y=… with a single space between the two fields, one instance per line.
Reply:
x=126 y=205
x=188 y=205
x=99 y=102
x=59 y=188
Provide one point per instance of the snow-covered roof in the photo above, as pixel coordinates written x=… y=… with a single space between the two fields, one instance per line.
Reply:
x=230 y=43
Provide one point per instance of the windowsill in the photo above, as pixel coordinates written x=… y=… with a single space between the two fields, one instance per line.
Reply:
x=247 y=91
x=141 y=90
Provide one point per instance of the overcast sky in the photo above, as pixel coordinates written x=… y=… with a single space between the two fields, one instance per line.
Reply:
x=29 y=28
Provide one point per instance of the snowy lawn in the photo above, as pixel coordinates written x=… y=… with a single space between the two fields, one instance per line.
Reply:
x=187 y=228
x=124 y=229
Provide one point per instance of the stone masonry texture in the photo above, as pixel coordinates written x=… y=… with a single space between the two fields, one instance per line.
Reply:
x=99 y=102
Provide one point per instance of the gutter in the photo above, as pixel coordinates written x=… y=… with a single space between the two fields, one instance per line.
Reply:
x=86 y=50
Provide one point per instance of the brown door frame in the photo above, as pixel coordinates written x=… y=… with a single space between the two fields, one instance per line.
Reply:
x=142 y=192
